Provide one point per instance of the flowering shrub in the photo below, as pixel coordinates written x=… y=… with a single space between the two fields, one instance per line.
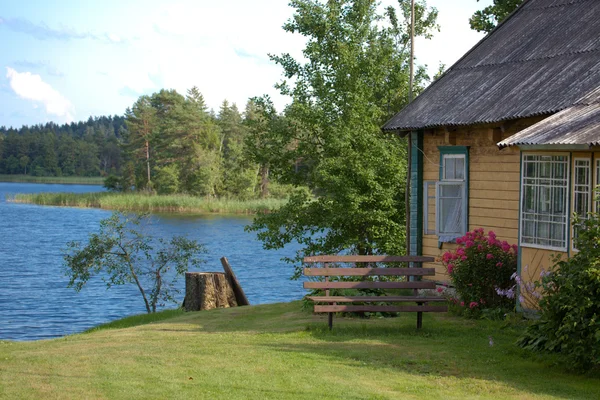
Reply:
x=528 y=290
x=569 y=321
x=482 y=269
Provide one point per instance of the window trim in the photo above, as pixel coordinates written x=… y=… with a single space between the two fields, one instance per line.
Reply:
x=564 y=249
x=453 y=156
x=454 y=152
x=464 y=227
x=590 y=188
x=595 y=183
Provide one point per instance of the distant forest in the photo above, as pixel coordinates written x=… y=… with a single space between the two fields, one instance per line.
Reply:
x=88 y=148
x=165 y=143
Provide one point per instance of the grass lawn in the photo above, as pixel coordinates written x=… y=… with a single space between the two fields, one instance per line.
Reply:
x=279 y=352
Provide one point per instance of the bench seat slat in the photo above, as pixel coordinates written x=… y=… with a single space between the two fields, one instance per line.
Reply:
x=392 y=299
x=368 y=271
x=317 y=259
x=346 y=308
x=370 y=285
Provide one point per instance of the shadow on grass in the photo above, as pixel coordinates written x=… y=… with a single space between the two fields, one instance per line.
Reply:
x=446 y=346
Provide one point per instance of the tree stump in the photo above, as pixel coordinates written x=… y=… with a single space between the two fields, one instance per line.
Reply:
x=207 y=290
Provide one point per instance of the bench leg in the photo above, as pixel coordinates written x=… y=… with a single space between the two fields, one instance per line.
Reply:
x=419 y=318
x=330 y=317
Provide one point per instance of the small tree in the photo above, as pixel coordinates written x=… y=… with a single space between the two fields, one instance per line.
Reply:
x=121 y=253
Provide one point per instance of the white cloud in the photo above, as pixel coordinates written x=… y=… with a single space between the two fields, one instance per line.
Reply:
x=31 y=87
x=114 y=38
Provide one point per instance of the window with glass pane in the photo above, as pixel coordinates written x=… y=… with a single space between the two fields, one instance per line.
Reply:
x=450 y=209
x=454 y=167
x=544 y=213
x=597 y=184
x=581 y=191
x=451 y=198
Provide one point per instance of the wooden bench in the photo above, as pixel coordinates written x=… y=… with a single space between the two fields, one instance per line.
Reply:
x=412 y=281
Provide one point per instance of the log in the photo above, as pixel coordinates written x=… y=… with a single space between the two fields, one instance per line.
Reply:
x=207 y=290
x=240 y=296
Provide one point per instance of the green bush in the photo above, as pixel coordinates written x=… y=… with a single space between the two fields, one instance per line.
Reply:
x=112 y=183
x=569 y=320
x=482 y=271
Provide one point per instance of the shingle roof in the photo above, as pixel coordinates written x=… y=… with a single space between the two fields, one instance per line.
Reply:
x=538 y=61
x=576 y=125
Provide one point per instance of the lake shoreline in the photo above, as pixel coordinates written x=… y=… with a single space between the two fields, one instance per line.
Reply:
x=62 y=180
x=136 y=202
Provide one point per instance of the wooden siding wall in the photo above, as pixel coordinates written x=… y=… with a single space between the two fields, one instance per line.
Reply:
x=494 y=187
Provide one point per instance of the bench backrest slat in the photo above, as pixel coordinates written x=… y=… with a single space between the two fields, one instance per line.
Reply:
x=323 y=259
x=368 y=271
x=370 y=285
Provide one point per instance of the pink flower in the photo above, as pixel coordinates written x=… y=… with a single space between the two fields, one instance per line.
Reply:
x=462 y=303
x=480 y=247
x=446 y=257
x=505 y=247
x=492 y=234
x=499 y=264
x=473 y=305
x=469 y=243
x=459 y=240
x=464 y=258
x=460 y=251
x=515 y=247
x=440 y=290
x=450 y=268
x=489 y=256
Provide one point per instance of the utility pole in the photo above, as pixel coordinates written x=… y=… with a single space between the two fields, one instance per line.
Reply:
x=409 y=145
x=412 y=50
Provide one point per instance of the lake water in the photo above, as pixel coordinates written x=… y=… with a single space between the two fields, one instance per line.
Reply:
x=35 y=302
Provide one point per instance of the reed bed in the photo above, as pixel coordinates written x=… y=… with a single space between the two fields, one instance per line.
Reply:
x=150 y=203
x=66 y=180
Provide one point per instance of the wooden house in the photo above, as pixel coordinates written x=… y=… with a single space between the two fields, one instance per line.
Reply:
x=508 y=138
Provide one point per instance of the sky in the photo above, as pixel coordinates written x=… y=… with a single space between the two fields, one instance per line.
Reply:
x=65 y=60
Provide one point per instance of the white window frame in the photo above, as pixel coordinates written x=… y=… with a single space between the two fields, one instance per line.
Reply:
x=565 y=184
x=454 y=156
x=449 y=236
x=597 y=184
x=581 y=188
x=438 y=203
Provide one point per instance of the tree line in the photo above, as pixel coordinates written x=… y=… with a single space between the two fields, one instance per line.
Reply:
x=164 y=143
x=174 y=144
x=89 y=148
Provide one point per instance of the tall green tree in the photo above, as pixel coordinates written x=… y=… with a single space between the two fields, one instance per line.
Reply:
x=486 y=20
x=141 y=122
x=239 y=172
x=260 y=143
x=355 y=76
